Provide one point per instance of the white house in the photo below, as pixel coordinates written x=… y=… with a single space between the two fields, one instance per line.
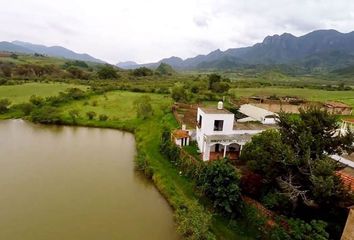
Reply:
x=254 y=113
x=216 y=136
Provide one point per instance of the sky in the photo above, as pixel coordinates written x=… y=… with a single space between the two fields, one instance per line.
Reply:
x=149 y=30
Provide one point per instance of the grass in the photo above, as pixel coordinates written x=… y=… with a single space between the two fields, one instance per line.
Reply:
x=308 y=94
x=117 y=105
x=22 y=93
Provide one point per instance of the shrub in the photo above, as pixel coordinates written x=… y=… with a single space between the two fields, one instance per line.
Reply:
x=46 y=115
x=194 y=222
x=103 y=117
x=74 y=114
x=36 y=100
x=219 y=181
x=143 y=107
x=26 y=108
x=142 y=72
x=107 y=72
x=91 y=115
x=75 y=93
x=4 y=105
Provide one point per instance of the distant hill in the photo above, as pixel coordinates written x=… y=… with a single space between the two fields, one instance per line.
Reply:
x=10 y=47
x=55 y=51
x=127 y=65
x=322 y=49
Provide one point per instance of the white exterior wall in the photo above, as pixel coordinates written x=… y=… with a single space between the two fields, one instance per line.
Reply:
x=208 y=125
x=207 y=128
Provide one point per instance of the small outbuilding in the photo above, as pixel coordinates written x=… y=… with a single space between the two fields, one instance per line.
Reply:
x=181 y=137
x=254 y=113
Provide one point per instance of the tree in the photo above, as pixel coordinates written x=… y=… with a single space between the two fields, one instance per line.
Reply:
x=143 y=107
x=294 y=161
x=142 y=72
x=91 y=115
x=179 y=93
x=74 y=114
x=212 y=79
x=107 y=72
x=314 y=133
x=165 y=69
x=6 y=70
x=4 y=105
x=76 y=72
x=216 y=85
x=267 y=155
x=219 y=181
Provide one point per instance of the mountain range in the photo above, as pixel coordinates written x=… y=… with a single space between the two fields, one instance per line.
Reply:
x=321 y=49
x=54 y=51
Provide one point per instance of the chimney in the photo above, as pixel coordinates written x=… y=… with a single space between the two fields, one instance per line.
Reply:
x=220 y=105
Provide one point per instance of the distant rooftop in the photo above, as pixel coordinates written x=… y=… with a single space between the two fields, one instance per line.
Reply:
x=337 y=105
x=215 y=110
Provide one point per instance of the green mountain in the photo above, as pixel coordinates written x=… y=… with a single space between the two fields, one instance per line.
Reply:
x=54 y=51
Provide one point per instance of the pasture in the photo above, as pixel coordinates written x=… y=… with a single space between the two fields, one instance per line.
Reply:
x=22 y=93
x=305 y=93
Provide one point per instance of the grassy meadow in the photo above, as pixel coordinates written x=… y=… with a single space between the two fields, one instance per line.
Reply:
x=117 y=105
x=305 y=93
x=22 y=93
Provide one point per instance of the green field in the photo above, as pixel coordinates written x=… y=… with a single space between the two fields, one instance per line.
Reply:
x=308 y=94
x=117 y=105
x=22 y=93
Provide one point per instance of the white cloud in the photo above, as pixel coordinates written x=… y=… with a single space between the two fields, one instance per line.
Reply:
x=116 y=30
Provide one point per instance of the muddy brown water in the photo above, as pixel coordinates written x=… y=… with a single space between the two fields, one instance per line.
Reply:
x=75 y=183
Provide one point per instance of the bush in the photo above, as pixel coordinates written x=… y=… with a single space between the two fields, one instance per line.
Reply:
x=74 y=114
x=142 y=72
x=91 y=115
x=143 y=107
x=298 y=229
x=4 y=105
x=75 y=93
x=179 y=93
x=36 y=100
x=103 y=117
x=219 y=181
x=194 y=222
x=25 y=108
x=46 y=115
x=107 y=72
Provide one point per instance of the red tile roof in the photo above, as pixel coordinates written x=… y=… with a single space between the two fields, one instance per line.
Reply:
x=347 y=179
x=180 y=134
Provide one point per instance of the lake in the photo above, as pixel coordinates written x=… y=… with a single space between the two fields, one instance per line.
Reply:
x=75 y=183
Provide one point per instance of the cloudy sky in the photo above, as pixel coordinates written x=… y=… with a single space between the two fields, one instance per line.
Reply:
x=148 y=30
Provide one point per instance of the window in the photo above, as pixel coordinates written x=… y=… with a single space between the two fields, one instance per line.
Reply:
x=200 y=121
x=218 y=125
